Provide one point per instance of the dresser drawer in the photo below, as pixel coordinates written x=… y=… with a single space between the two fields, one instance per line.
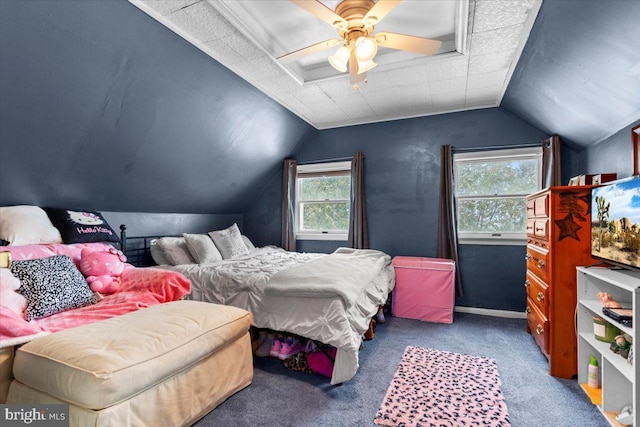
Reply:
x=538 y=261
x=538 y=292
x=538 y=325
x=531 y=227
x=531 y=208
x=541 y=205
x=541 y=228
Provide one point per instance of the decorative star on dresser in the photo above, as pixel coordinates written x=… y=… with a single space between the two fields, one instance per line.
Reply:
x=568 y=227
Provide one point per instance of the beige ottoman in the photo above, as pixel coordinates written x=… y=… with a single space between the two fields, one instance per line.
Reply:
x=6 y=364
x=168 y=365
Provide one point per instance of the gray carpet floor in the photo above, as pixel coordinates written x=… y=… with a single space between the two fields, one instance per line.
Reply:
x=280 y=397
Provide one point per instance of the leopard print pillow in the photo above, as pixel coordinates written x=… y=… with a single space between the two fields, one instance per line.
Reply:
x=51 y=285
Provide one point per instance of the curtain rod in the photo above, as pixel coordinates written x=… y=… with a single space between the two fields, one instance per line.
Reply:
x=495 y=147
x=337 y=159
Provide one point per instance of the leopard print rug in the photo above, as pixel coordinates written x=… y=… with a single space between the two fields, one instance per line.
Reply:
x=439 y=388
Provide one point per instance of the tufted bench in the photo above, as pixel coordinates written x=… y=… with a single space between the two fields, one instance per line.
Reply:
x=168 y=364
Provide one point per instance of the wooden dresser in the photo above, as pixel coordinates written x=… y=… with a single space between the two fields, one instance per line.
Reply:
x=558 y=240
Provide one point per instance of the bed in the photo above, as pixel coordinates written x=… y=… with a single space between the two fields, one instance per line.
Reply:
x=328 y=298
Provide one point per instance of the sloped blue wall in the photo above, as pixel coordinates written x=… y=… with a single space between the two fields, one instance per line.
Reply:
x=579 y=73
x=104 y=108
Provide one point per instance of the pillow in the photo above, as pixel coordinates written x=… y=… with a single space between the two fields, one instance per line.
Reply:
x=250 y=246
x=229 y=242
x=51 y=285
x=202 y=248
x=26 y=225
x=175 y=250
x=157 y=254
x=81 y=227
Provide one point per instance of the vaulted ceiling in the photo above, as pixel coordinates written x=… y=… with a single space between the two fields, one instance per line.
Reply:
x=482 y=41
x=575 y=72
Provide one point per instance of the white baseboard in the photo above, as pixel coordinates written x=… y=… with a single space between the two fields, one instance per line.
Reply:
x=491 y=312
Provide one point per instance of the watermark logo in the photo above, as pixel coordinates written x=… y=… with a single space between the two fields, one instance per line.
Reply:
x=52 y=415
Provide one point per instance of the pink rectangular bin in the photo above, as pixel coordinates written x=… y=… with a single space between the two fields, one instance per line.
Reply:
x=424 y=289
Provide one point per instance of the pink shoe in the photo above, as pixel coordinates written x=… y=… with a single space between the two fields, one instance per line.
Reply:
x=289 y=348
x=276 y=347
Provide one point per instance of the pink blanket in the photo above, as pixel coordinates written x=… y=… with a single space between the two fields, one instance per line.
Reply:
x=139 y=288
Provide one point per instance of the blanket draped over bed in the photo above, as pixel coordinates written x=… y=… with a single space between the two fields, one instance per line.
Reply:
x=326 y=297
x=345 y=273
x=139 y=288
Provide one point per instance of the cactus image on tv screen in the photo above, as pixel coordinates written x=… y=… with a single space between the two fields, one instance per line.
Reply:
x=615 y=222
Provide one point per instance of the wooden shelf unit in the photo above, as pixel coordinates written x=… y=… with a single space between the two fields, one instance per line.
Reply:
x=618 y=378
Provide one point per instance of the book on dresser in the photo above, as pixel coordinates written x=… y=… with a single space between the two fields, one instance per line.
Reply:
x=558 y=240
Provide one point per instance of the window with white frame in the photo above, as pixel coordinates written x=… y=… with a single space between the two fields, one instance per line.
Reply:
x=490 y=194
x=323 y=207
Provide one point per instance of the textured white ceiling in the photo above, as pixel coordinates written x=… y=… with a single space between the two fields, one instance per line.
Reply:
x=472 y=69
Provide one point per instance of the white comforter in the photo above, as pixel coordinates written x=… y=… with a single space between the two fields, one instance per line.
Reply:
x=334 y=316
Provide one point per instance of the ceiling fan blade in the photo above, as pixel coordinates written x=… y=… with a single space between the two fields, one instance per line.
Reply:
x=318 y=47
x=321 y=11
x=379 y=11
x=409 y=43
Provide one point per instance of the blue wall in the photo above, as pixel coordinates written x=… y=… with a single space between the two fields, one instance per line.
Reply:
x=402 y=175
x=614 y=154
x=104 y=108
x=578 y=75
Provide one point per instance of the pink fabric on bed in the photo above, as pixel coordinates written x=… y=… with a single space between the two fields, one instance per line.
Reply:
x=139 y=288
x=19 y=253
x=15 y=330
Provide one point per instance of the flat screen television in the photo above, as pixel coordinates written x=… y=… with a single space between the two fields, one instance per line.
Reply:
x=615 y=222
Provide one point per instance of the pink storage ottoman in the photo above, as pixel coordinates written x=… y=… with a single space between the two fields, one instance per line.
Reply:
x=424 y=289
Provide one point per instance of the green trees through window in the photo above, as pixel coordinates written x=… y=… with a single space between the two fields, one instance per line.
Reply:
x=491 y=190
x=324 y=203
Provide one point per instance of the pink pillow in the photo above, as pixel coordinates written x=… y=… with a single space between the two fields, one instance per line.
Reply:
x=21 y=253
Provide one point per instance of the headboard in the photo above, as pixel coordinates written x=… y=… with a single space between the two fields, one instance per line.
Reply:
x=137 y=229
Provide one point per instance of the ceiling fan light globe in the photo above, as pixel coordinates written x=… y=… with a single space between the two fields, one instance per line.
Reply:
x=339 y=59
x=366 y=48
x=364 y=66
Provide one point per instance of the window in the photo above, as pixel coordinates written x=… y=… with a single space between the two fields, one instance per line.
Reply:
x=323 y=194
x=490 y=192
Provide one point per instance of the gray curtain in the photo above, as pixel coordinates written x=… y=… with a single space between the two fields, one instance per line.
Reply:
x=358 y=230
x=551 y=162
x=447 y=232
x=288 y=204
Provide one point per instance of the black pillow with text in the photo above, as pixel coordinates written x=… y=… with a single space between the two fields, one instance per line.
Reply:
x=81 y=227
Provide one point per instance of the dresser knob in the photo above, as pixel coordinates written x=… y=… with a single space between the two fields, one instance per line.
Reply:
x=540 y=263
x=527 y=257
x=527 y=310
x=527 y=283
x=539 y=229
x=539 y=330
x=540 y=297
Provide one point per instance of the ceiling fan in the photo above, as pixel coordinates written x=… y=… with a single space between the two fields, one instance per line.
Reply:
x=355 y=20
